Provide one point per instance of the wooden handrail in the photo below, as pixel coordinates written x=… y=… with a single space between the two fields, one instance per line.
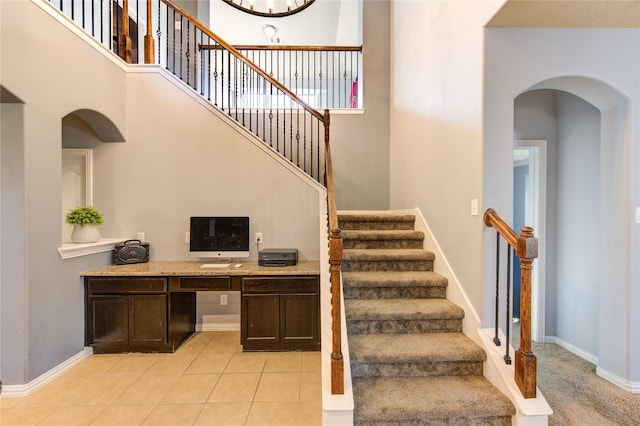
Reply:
x=526 y=248
x=287 y=47
x=335 y=261
x=246 y=61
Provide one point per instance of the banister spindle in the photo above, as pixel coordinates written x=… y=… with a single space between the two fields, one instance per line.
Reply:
x=125 y=40
x=149 y=43
x=507 y=358
x=496 y=339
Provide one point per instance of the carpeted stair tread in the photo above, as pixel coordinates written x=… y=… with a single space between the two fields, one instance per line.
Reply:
x=390 y=234
x=449 y=400
x=401 y=309
x=393 y=279
x=376 y=221
x=377 y=217
x=407 y=348
x=381 y=255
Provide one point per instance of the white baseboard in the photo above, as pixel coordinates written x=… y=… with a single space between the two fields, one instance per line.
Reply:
x=229 y=322
x=218 y=327
x=573 y=349
x=621 y=382
x=34 y=385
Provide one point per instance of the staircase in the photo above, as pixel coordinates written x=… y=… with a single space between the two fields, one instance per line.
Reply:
x=410 y=362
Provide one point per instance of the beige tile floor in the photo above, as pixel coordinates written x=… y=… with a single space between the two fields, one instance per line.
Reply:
x=208 y=381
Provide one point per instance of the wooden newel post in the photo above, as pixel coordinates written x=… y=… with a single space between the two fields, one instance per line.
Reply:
x=525 y=360
x=337 y=362
x=149 y=43
x=124 y=42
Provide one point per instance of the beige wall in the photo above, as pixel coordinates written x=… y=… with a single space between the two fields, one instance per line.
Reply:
x=436 y=124
x=360 y=142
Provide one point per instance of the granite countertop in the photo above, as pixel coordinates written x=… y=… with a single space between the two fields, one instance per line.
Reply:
x=181 y=268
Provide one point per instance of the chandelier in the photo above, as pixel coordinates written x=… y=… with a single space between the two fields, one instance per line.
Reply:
x=270 y=8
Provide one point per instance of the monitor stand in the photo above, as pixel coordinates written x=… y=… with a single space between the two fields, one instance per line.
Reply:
x=223 y=262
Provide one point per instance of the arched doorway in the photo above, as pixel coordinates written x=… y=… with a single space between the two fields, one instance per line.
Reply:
x=583 y=122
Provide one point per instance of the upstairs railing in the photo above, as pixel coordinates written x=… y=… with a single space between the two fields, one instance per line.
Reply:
x=323 y=76
x=525 y=246
x=223 y=75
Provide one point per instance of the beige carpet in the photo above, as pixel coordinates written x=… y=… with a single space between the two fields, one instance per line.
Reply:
x=577 y=395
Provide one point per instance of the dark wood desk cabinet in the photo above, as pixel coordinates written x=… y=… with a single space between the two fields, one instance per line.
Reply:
x=126 y=314
x=280 y=313
x=157 y=313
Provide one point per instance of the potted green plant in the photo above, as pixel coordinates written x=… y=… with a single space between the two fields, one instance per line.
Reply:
x=85 y=221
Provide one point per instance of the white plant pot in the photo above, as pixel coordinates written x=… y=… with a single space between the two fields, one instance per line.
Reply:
x=85 y=234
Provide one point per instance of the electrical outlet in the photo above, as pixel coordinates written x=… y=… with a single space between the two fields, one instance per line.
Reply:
x=258 y=237
x=141 y=236
x=223 y=299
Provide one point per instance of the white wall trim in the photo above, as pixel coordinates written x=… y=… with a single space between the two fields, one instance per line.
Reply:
x=228 y=322
x=538 y=172
x=573 y=349
x=529 y=411
x=34 y=385
x=621 y=382
x=71 y=250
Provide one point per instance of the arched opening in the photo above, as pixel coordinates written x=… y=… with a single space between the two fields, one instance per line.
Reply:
x=586 y=233
x=82 y=131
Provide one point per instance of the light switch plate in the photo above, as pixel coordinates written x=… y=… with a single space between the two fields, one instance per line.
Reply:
x=474 y=207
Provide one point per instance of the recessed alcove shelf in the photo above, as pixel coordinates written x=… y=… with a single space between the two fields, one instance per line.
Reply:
x=70 y=250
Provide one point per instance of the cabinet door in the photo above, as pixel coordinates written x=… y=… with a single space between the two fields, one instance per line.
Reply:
x=108 y=320
x=260 y=318
x=147 y=319
x=299 y=318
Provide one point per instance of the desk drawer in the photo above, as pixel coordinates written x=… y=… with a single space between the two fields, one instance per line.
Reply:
x=280 y=284
x=205 y=283
x=126 y=285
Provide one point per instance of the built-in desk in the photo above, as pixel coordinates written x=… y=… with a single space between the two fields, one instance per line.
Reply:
x=151 y=307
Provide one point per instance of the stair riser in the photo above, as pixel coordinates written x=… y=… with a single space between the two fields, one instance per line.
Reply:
x=387 y=265
x=382 y=244
x=375 y=225
x=395 y=292
x=415 y=369
x=403 y=326
x=454 y=421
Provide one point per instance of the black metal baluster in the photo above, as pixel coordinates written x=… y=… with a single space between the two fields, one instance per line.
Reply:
x=187 y=55
x=199 y=58
x=243 y=98
x=496 y=339
x=196 y=57
x=229 y=77
x=181 y=43
x=174 y=52
x=319 y=77
x=209 y=69
x=159 y=32
x=102 y=21
x=507 y=358
x=215 y=73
